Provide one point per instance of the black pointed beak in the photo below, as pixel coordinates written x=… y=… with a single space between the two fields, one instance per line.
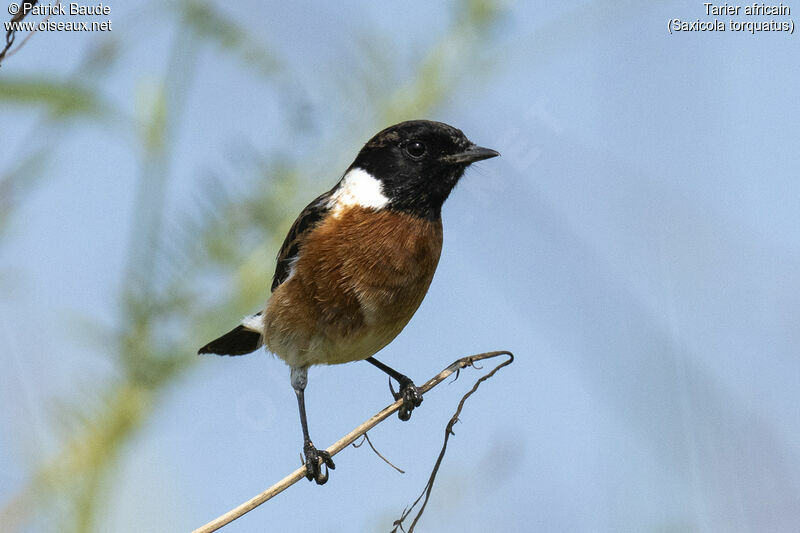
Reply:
x=472 y=154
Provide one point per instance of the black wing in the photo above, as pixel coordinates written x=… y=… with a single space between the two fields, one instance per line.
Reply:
x=306 y=221
x=243 y=339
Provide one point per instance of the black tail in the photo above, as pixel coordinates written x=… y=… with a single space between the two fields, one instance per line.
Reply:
x=237 y=341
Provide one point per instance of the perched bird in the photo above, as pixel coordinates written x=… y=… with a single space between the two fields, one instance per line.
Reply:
x=358 y=261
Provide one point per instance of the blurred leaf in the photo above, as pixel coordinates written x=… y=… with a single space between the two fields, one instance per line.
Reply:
x=151 y=105
x=19 y=180
x=210 y=24
x=99 y=58
x=480 y=15
x=61 y=99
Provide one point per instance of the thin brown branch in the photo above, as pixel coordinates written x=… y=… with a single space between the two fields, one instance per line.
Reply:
x=22 y=12
x=351 y=437
x=385 y=460
x=426 y=492
x=30 y=34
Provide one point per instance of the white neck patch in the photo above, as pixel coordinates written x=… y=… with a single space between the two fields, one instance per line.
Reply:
x=357 y=188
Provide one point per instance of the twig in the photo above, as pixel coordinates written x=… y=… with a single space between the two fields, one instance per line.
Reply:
x=30 y=33
x=385 y=460
x=447 y=432
x=24 y=9
x=351 y=437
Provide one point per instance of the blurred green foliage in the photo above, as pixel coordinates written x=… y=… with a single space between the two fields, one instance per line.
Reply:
x=237 y=240
x=61 y=99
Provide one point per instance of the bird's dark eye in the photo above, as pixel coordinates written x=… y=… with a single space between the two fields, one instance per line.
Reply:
x=416 y=149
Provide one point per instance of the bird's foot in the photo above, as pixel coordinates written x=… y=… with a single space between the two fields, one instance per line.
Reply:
x=410 y=395
x=315 y=459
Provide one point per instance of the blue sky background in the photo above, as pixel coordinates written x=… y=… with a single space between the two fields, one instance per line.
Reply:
x=637 y=246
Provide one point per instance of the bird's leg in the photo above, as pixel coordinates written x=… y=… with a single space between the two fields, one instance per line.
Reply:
x=408 y=392
x=314 y=458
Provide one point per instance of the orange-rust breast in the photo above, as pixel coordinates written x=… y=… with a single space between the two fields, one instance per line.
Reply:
x=360 y=277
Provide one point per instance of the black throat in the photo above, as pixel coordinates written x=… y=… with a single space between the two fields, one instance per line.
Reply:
x=409 y=192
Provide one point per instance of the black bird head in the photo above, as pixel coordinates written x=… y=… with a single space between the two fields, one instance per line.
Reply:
x=418 y=163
